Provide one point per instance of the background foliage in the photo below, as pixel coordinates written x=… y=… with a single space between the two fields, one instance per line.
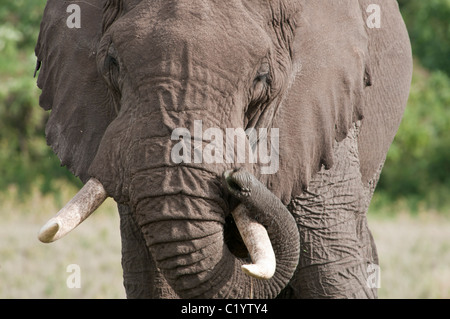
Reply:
x=25 y=158
x=417 y=168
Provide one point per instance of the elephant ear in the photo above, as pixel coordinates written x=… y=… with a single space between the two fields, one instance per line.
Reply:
x=72 y=88
x=325 y=97
x=390 y=58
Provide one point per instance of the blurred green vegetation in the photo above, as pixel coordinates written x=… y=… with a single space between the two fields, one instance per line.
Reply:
x=417 y=168
x=428 y=25
x=25 y=158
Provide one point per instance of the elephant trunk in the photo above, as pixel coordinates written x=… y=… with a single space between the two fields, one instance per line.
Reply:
x=184 y=231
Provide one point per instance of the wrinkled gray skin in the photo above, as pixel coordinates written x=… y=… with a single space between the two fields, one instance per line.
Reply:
x=136 y=70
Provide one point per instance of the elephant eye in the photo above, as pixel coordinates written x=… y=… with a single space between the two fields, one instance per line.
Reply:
x=263 y=74
x=261 y=88
x=111 y=59
x=111 y=68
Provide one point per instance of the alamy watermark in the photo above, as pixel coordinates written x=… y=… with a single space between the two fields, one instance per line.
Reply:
x=74 y=279
x=373 y=21
x=374 y=277
x=236 y=147
x=74 y=19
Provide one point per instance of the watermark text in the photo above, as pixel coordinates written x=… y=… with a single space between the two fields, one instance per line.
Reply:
x=232 y=146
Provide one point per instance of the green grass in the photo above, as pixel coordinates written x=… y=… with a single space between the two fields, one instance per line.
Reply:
x=414 y=251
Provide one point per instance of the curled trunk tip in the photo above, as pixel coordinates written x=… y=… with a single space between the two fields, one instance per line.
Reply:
x=258 y=245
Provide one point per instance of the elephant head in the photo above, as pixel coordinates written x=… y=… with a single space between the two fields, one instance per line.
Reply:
x=136 y=71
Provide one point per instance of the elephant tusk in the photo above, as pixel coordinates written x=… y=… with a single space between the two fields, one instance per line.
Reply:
x=257 y=241
x=85 y=202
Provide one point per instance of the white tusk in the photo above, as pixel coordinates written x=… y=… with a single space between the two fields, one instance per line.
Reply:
x=258 y=244
x=85 y=202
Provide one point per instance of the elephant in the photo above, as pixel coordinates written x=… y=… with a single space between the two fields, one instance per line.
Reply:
x=322 y=85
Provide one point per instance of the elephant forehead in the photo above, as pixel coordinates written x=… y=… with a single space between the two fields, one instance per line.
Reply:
x=209 y=31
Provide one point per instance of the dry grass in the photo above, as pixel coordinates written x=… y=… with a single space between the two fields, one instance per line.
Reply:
x=414 y=253
x=30 y=269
